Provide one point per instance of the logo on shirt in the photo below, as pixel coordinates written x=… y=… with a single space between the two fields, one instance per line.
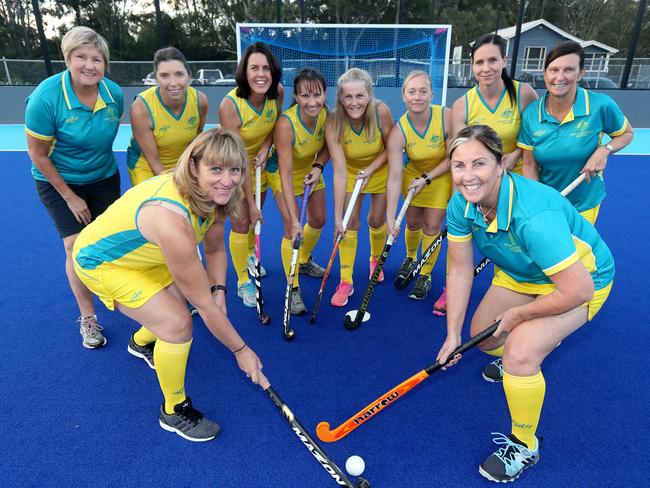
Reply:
x=192 y=121
x=435 y=141
x=71 y=120
x=582 y=129
x=539 y=133
x=270 y=115
x=506 y=116
x=111 y=114
x=164 y=128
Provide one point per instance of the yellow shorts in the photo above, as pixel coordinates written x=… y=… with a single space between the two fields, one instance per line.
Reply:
x=377 y=183
x=505 y=281
x=129 y=287
x=276 y=184
x=435 y=195
x=591 y=214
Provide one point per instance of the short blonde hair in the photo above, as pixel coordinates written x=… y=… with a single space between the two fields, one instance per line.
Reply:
x=414 y=74
x=81 y=36
x=214 y=145
x=340 y=115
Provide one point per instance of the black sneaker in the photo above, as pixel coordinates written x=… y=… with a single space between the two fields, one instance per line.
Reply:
x=142 y=352
x=493 y=372
x=404 y=270
x=509 y=461
x=421 y=288
x=310 y=268
x=188 y=422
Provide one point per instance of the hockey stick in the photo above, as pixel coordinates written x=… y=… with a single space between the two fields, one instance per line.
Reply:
x=259 y=302
x=288 y=331
x=323 y=428
x=401 y=283
x=310 y=443
x=344 y=224
x=353 y=318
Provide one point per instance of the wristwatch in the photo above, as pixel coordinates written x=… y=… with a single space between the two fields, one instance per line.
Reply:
x=609 y=147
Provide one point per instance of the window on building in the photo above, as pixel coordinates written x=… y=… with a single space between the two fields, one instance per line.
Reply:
x=595 y=62
x=534 y=58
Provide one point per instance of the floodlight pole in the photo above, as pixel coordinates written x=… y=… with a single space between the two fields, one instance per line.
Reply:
x=159 y=25
x=515 y=47
x=632 y=51
x=278 y=13
x=302 y=11
x=42 y=38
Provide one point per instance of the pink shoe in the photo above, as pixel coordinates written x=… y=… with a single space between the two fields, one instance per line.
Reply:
x=343 y=291
x=440 y=307
x=373 y=265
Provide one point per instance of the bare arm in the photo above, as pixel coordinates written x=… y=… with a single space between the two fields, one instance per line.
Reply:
x=527 y=95
x=458 y=114
x=340 y=172
x=203 y=103
x=143 y=134
x=39 y=154
x=598 y=159
x=529 y=166
x=284 y=147
x=216 y=260
x=394 y=149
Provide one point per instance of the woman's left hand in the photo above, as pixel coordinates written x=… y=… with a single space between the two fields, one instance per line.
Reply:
x=509 y=320
x=254 y=214
x=260 y=159
x=365 y=175
x=596 y=163
x=417 y=184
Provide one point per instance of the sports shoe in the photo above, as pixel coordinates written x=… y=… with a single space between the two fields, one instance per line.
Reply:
x=493 y=372
x=91 y=332
x=343 y=291
x=310 y=268
x=188 y=422
x=142 y=352
x=246 y=291
x=510 y=460
x=373 y=265
x=250 y=264
x=405 y=269
x=440 y=307
x=297 y=304
x=421 y=288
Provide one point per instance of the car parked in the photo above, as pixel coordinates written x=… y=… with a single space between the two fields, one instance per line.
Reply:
x=149 y=80
x=212 y=77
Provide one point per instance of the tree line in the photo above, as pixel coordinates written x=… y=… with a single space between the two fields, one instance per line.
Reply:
x=205 y=29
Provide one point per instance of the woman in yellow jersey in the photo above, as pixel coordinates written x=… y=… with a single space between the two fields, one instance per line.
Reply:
x=252 y=109
x=497 y=101
x=299 y=158
x=421 y=132
x=140 y=256
x=355 y=137
x=164 y=118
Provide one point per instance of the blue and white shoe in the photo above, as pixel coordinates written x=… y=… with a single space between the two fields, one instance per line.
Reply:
x=250 y=264
x=509 y=461
x=246 y=291
x=493 y=372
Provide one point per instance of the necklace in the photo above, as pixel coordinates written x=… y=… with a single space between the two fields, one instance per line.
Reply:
x=485 y=214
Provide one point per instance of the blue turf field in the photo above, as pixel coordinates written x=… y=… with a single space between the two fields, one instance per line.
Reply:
x=72 y=417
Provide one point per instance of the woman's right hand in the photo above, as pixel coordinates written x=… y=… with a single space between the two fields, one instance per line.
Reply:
x=390 y=227
x=79 y=209
x=417 y=184
x=296 y=231
x=450 y=345
x=338 y=229
x=250 y=364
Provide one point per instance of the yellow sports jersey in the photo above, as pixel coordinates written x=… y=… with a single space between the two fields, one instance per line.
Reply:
x=505 y=118
x=306 y=145
x=172 y=133
x=114 y=240
x=360 y=151
x=425 y=152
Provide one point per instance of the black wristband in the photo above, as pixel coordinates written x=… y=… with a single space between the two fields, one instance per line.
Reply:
x=319 y=166
x=214 y=288
x=426 y=178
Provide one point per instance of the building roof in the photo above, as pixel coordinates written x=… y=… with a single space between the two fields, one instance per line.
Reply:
x=509 y=33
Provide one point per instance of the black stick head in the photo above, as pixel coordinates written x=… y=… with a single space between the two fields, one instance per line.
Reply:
x=312 y=319
x=351 y=324
x=362 y=483
x=400 y=283
x=265 y=318
x=289 y=335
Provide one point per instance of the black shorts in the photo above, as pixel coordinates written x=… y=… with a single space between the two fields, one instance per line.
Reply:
x=98 y=196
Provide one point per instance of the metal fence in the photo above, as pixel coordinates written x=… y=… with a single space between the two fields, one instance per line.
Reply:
x=32 y=72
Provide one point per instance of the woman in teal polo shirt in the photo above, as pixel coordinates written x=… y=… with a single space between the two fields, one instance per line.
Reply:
x=561 y=132
x=556 y=274
x=71 y=121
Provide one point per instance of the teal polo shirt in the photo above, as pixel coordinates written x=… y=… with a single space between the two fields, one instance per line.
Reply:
x=561 y=149
x=81 y=139
x=536 y=233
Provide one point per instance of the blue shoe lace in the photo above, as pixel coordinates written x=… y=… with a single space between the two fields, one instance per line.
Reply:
x=515 y=457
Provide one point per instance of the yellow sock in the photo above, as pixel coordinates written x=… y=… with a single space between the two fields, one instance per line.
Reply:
x=431 y=262
x=171 y=360
x=377 y=240
x=251 y=241
x=412 y=239
x=495 y=352
x=286 y=250
x=525 y=396
x=239 y=255
x=144 y=336
x=348 y=253
x=311 y=237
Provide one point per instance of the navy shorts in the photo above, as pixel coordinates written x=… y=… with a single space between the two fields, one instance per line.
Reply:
x=98 y=196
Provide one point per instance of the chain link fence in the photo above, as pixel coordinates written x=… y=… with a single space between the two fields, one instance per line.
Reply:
x=32 y=72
